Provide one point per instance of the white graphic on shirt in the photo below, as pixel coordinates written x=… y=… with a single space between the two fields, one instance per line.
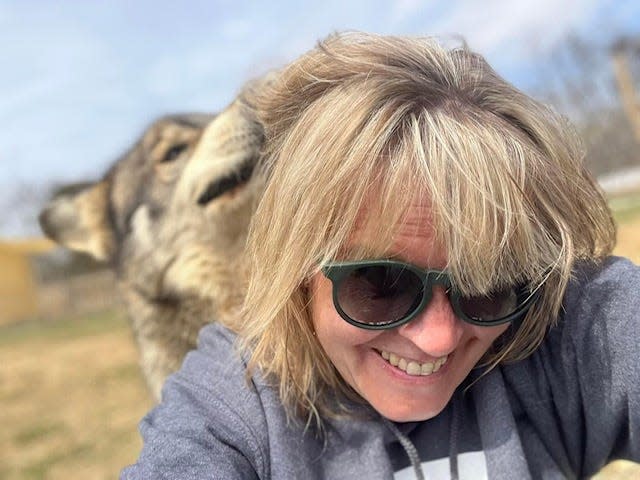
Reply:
x=471 y=466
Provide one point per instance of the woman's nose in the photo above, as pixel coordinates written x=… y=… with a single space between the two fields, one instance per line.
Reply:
x=436 y=330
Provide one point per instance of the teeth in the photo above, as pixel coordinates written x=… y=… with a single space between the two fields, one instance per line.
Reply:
x=426 y=369
x=402 y=364
x=394 y=359
x=438 y=364
x=412 y=367
x=436 y=367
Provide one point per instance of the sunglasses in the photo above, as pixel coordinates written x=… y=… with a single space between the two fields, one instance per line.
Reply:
x=384 y=294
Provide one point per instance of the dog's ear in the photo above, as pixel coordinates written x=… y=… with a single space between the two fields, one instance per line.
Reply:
x=80 y=221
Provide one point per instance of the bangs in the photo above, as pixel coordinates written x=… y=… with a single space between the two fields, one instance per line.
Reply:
x=473 y=173
x=354 y=177
x=480 y=173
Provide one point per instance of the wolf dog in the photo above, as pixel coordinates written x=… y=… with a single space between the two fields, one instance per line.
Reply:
x=171 y=218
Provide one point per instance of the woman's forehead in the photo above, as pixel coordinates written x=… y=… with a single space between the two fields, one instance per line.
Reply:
x=412 y=239
x=414 y=210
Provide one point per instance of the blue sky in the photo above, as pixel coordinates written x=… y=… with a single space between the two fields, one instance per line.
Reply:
x=81 y=79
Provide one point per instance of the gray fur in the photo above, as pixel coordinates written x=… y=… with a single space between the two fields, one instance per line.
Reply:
x=171 y=218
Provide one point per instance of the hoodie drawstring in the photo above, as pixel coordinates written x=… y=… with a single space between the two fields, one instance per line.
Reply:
x=409 y=447
x=453 y=440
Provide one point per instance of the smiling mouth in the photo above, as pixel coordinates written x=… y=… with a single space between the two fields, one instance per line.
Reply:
x=411 y=367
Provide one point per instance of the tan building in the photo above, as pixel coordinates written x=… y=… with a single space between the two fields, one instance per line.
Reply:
x=40 y=279
x=18 y=286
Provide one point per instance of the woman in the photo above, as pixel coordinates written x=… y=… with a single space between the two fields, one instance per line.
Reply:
x=430 y=289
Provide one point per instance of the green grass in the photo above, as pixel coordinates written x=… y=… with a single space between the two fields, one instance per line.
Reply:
x=37 y=433
x=626 y=208
x=67 y=413
x=63 y=328
x=122 y=373
x=39 y=469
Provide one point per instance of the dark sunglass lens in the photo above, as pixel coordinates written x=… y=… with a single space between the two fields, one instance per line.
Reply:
x=498 y=304
x=380 y=294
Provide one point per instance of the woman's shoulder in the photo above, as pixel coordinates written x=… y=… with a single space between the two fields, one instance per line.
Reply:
x=611 y=285
x=216 y=368
x=583 y=377
x=217 y=341
x=211 y=418
x=593 y=344
x=599 y=316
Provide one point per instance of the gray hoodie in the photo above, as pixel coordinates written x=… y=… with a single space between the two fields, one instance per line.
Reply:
x=563 y=412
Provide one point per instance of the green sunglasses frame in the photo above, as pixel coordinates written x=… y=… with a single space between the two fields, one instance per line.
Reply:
x=338 y=271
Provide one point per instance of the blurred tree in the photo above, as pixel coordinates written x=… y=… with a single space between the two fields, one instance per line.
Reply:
x=579 y=81
x=622 y=52
x=19 y=209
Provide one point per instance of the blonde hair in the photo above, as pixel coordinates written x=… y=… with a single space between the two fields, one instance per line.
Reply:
x=511 y=199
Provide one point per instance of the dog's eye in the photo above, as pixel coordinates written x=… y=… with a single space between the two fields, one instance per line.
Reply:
x=174 y=152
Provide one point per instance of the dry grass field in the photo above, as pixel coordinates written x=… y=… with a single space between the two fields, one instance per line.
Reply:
x=71 y=393
x=627 y=213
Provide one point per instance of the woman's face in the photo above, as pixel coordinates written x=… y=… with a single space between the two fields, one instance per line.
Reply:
x=435 y=340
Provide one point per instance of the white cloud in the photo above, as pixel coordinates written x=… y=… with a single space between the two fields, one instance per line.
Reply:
x=236 y=28
x=85 y=77
x=402 y=10
x=514 y=28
